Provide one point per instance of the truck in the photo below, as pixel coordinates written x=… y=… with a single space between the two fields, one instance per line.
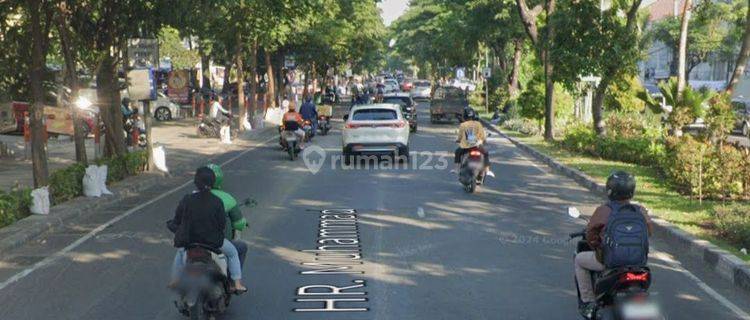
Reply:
x=447 y=103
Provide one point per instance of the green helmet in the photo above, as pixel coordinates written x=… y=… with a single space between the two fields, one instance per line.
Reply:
x=219 y=175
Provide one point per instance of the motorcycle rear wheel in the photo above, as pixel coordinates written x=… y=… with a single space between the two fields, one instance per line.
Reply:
x=471 y=187
x=197 y=312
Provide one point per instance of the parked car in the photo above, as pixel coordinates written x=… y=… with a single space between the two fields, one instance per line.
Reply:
x=162 y=108
x=464 y=84
x=421 y=90
x=408 y=107
x=378 y=129
x=742 y=121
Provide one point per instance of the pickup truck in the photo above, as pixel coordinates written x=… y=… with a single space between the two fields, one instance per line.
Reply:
x=447 y=103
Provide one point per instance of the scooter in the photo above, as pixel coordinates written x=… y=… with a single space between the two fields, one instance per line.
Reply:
x=472 y=170
x=209 y=128
x=307 y=127
x=204 y=286
x=621 y=293
x=324 y=124
x=288 y=139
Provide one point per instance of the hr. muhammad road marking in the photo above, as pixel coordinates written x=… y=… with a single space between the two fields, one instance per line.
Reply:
x=337 y=252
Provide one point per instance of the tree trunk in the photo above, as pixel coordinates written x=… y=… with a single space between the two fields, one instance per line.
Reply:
x=739 y=66
x=313 y=78
x=271 y=88
x=205 y=66
x=254 y=78
x=69 y=55
x=682 y=49
x=36 y=110
x=240 y=83
x=227 y=77
x=597 y=106
x=513 y=78
x=549 y=84
x=108 y=94
x=305 y=90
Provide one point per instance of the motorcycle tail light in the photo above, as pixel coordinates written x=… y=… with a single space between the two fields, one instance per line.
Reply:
x=475 y=153
x=634 y=277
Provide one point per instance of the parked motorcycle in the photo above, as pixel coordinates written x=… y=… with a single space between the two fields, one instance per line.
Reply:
x=204 y=286
x=130 y=125
x=471 y=172
x=209 y=128
x=324 y=124
x=622 y=293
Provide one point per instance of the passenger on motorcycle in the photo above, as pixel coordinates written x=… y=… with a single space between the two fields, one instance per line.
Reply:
x=620 y=190
x=309 y=112
x=236 y=222
x=292 y=121
x=200 y=219
x=470 y=134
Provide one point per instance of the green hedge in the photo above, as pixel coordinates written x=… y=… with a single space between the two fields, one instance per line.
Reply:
x=67 y=183
x=733 y=224
x=14 y=205
x=633 y=149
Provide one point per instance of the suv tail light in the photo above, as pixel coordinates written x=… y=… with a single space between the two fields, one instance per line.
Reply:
x=350 y=125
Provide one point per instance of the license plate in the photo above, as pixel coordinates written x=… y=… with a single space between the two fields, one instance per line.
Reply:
x=642 y=310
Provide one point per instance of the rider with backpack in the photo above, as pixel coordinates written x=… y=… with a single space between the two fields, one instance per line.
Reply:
x=618 y=232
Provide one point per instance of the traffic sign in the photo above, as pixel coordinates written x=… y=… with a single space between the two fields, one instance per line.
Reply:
x=487 y=72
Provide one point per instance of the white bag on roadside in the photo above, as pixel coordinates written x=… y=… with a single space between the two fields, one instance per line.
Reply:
x=247 y=125
x=225 y=134
x=91 y=186
x=160 y=159
x=40 y=201
x=102 y=180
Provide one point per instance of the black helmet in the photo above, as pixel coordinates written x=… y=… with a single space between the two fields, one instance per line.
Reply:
x=620 y=186
x=204 y=179
x=126 y=100
x=469 y=114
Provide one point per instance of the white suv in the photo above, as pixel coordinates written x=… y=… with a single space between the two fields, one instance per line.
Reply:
x=375 y=129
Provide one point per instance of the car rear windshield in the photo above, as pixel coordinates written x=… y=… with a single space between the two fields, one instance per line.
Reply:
x=374 y=115
x=421 y=84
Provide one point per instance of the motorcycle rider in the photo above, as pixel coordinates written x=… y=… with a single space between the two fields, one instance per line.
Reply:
x=292 y=121
x=309 y=112
x=620 y=190
x=217 y=111
x=200 y=218
x=471 y=134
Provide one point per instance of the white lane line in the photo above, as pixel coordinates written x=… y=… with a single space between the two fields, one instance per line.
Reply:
x=741 y=314
x=57 y=255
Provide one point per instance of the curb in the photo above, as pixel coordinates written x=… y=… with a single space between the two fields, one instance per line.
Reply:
x=27 y=229
x=726 y=265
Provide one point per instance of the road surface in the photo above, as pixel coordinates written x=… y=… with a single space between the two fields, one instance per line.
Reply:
x=428 y=249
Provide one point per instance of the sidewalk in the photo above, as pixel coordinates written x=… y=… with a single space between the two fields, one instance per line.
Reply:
x=184 y=152
x=178 y=138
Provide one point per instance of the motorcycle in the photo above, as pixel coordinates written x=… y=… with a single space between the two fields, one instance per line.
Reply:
x=472 y=170
x=129 y=126
x=324 y=124
x=621 y=293
x=204 y=286
x=209 y=128
x=288 y=139
x=307 y=127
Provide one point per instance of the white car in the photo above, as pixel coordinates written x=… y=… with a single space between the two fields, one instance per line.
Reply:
x=464 y=84
x=375 y=129
x=421 y=89
x=390 y=85
x=162 y=108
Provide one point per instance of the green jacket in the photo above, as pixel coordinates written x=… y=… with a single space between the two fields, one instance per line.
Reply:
x=233 y=213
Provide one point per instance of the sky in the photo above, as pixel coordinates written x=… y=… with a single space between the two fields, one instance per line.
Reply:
x=392 y=9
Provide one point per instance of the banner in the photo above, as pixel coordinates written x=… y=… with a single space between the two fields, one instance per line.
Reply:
x=178 y=88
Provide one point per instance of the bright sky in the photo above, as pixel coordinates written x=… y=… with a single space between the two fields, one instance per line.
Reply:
x=392 y=9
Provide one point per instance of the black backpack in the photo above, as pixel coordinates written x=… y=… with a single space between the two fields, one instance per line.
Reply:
x=625 y=239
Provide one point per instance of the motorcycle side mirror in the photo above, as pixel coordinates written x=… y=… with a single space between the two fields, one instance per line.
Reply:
x=574 y=213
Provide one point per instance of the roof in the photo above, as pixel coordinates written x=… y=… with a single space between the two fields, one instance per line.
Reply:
x=397 y=94
x=376 y=106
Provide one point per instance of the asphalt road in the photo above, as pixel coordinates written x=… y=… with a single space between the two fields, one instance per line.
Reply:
x=428 y=249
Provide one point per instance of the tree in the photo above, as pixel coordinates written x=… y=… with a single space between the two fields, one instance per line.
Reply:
x=608 y=47
x=742 y=58
x=39 y=14
x=543 y=45
x=682 y=47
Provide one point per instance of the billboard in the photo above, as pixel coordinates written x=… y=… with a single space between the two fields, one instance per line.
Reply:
x=141 y=85
x=178 y=86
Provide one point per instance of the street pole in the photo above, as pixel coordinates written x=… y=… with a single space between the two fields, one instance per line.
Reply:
x=487 y=82
x=147 y=123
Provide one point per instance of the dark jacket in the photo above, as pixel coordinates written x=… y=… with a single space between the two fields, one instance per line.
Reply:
x=308 y=111
x=199 y=218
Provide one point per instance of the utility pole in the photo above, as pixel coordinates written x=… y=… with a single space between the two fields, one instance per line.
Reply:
x=487 y=81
